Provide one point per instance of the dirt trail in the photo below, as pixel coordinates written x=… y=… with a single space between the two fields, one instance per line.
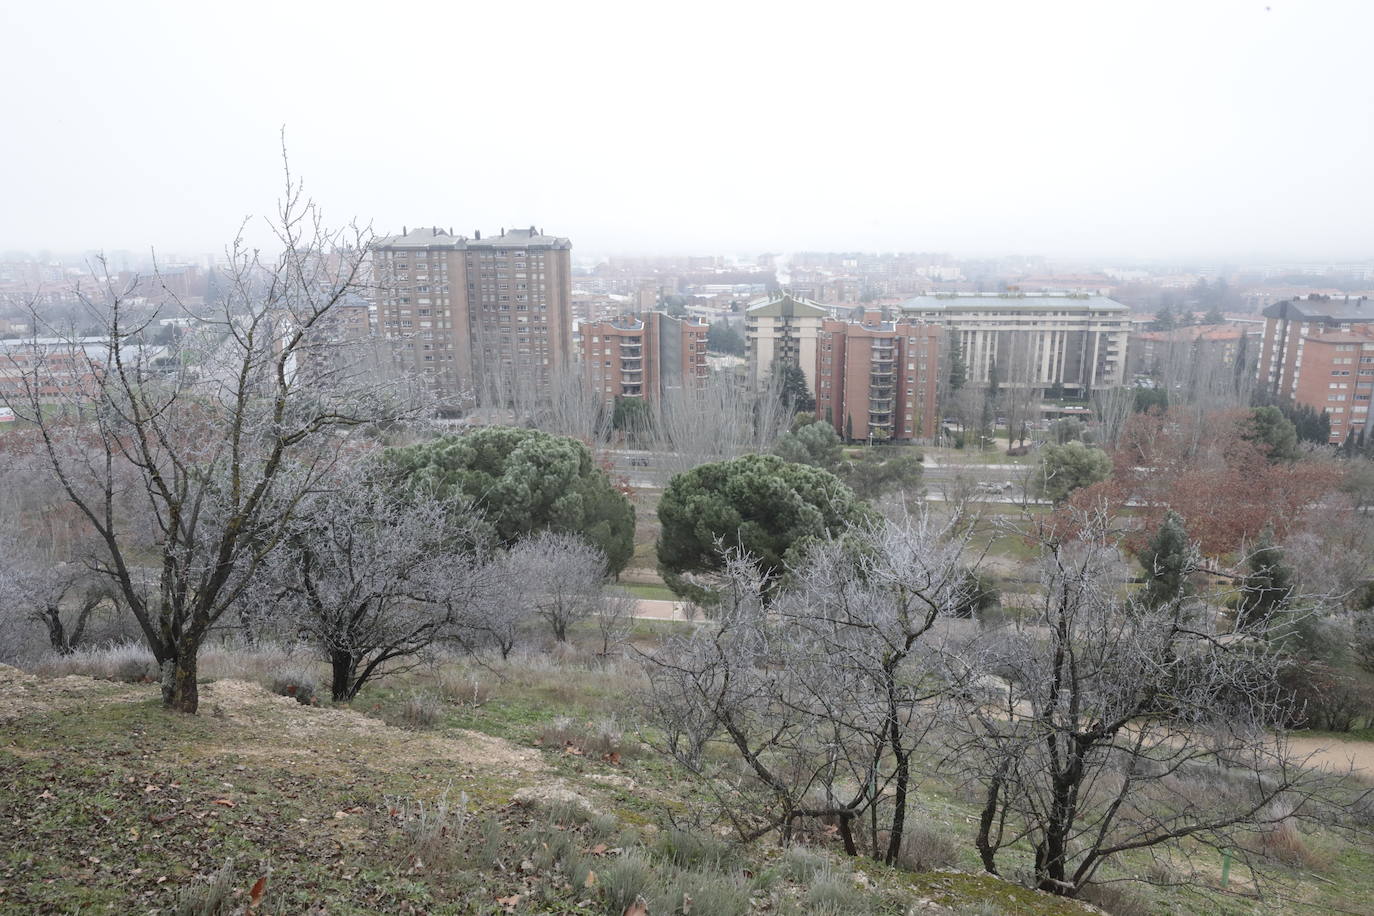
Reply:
x=1336 y=754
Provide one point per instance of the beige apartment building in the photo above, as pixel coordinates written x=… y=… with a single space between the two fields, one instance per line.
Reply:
x=643 y=356
x=878 y=380
x=486 y=319
x=783 y=328
x=1074 y=342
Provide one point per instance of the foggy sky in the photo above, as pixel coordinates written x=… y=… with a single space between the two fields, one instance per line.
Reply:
x=1117 y=129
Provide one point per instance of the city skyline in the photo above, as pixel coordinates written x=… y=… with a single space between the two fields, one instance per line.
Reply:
x=1234 y=131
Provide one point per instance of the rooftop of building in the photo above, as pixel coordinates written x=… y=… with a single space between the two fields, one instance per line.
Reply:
x=1356 y=333
x=433 y=237
x=949 y=301
x=785 y=305
x=1343 y=309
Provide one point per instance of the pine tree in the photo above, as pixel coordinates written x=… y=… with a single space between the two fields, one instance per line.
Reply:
x=1168 y=561
x=1267 y=587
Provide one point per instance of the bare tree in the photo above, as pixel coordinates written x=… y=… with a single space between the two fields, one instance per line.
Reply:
x=824 y=700
x=370 y=576
x=224 y=429
x=563 y=577
x=614 y=619
x=1123 y=727
x=723 y=419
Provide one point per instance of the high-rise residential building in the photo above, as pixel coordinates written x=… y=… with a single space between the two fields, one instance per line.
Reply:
x=1073 y=342
x=1287 y=327
x=1318 y=357
x=878 y=380
x=488 y=318
x=783 y=328
x=643 y=356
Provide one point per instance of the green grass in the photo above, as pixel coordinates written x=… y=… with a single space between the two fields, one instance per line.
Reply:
x=646 y=590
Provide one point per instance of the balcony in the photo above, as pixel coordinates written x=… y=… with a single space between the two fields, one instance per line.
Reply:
x=881 y=392
x=631 y=351
x=880 y=379
x=631 y=391
x=631 y=365
x=631 y=378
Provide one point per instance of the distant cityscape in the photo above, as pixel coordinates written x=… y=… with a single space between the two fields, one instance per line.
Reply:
x=490 y=320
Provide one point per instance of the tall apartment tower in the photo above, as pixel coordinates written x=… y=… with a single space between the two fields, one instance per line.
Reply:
x=783 y=328
x=1287 y=327
x=489 y=318
x=643 y=356
x=878 y=380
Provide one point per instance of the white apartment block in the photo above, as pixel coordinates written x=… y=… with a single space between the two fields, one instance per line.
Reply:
x=1075 y=342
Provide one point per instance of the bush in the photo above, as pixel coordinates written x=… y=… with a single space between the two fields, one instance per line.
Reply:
x=419 y=711
x=624 y=880
x=298 y=685
x=434 y=833
x=212 y=897
x=801 y=864
x=926 y=850
x=464 y=691
x=686 y=849
x=1117 y=900
x=830 y=893
x=702 y=892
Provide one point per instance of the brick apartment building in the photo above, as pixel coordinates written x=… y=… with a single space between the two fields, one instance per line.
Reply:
x=643 y=356
x=1334 y=372
x=490 y=315
x=1287 y=326
x=878 y=380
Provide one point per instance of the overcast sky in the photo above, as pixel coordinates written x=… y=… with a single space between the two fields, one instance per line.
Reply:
x=1125 y=128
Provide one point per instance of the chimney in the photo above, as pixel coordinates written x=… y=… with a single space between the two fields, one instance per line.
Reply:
x=532 y=230
x=405 y=231
x=434 y=230
x=450 y=230
x=477 y=234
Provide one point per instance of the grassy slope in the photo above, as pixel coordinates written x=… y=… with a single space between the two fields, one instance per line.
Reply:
x=112 y=805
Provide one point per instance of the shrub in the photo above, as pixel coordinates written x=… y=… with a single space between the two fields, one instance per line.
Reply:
x=433 y=832
x=624 y=880
x=801 y=864
x=701 y=892
x=1118 y=900
x=419 y=711
x=211 y=897
x=464 y=691
x=686 y=849
x=299 y=685
x=830 y=893
x=927 y=850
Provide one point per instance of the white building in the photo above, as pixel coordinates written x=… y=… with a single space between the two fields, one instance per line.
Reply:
x=1075 y=342
x=783 y=328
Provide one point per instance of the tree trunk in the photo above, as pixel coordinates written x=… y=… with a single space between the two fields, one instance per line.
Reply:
x=179 y=691
x=986 y=851
x=57 y=634
x=894 y=840
x=341 y=684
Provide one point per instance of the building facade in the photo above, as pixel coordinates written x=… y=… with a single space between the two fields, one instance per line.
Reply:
x=486 y=317
x=1072 y=342
x=783 y=328
x=1288 y=325
x=643 y=356
x=1223 y=345
x=878 y=380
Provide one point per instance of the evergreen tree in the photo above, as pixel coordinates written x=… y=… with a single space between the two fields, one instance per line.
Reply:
x=1164 y=320
x=1168 y=561
x=1267 y=587
x=958 y=369
x=794 y=391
